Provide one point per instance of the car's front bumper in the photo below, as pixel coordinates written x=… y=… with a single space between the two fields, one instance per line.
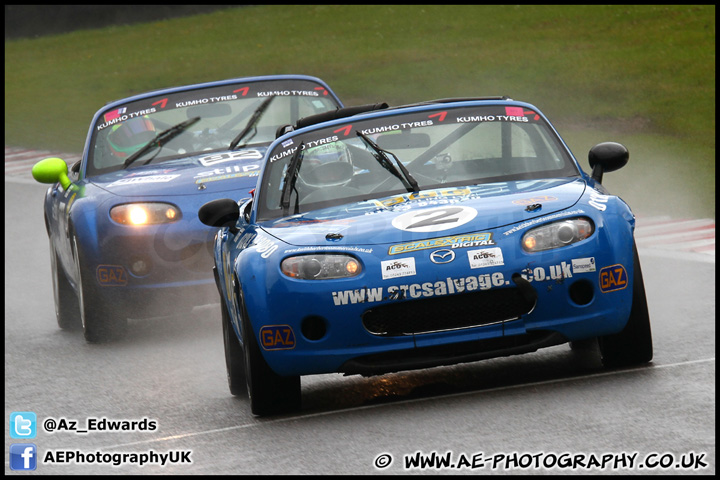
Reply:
x=308 y=327
x=155 y=272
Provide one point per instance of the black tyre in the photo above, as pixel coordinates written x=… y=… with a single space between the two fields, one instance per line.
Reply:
x=102 y=321
x=270 y=393
x=234 y=360
x=66 y=303
x=633 y=345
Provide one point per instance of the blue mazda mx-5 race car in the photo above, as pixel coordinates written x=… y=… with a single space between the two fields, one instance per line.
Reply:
x=125 y=238
x=420 y=236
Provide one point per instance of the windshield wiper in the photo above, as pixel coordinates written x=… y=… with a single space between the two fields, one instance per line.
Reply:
x=161 y=139
x=290 y=179
x=254 y=119
x=382 y=157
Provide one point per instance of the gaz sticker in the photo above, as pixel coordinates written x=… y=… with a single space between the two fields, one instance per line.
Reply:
x=111 y=275
x=277 y=337
x=613 y=278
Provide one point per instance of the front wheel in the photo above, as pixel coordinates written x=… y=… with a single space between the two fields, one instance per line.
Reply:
x=270 y=393
x=101 y=321
x=234 y=360
x=633 y=345
x=66 y=306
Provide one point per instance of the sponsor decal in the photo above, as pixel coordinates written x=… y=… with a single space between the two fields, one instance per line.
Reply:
x=395 y=127
x=289 y=93
x=113 y=114
x=440 y=116
x=328 y=248
x=598 y=201
x=490 y=118
x=205 y=101
x=144 y=173
x=120 y=115
x=151 y=179
x=111 y=275
x=304 y=146
x=514 y=111
x=517 y=112
x=401 y=267
x=229 y=172
x=69 y=204
x=277 y=337
x=554 y=272
x=455 y=241
x=533 y=200
x=442 y=256
x=613 y=278
x=428 y=195
x=486 y=257
x=583 y=265
x=263 y=245
x=226 y=177
x=449 y=286
x=210 y=160
x=434 y=219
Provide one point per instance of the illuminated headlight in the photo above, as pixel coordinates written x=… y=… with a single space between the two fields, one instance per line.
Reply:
x=557 y=234
x=320 y=267
x=144 y=213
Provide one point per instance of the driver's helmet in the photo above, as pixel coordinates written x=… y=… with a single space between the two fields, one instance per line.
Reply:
x=128 y=137
x=326 y=165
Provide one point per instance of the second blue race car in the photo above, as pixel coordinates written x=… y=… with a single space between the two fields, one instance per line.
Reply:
x=125 y=239
x=420 y=236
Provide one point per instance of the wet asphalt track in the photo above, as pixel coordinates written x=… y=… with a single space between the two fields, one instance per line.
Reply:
x=540 y=409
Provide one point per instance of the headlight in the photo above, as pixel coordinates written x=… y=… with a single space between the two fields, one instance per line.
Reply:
x=145 y=213
x=557 y=234
x=320 y=266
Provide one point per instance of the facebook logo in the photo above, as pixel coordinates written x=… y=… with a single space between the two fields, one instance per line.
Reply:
x=23 y=425
x=23 y=456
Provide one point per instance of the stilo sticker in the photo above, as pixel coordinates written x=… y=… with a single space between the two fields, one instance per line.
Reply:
x=434 y=219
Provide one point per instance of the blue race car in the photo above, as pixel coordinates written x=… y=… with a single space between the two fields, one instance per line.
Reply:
x=125 y=239
x=413 y=237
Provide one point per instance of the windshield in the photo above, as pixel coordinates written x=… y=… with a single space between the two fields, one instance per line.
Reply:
x=234 y=115
x=371 y=158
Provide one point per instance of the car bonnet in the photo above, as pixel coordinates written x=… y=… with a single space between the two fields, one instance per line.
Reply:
x=430 y=213
x=203 y=174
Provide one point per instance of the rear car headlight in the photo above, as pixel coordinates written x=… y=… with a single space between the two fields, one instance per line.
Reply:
x=146 y=213
x=557 y=234
x=321 y=266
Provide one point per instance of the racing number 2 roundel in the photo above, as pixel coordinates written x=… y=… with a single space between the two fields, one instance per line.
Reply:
x=434 y=219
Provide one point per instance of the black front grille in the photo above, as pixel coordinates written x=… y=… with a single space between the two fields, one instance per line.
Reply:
x=448 y=312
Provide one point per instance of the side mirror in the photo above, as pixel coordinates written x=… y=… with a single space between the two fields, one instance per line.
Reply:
x=222 y=212
x=52 y=170
x=607 y=157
